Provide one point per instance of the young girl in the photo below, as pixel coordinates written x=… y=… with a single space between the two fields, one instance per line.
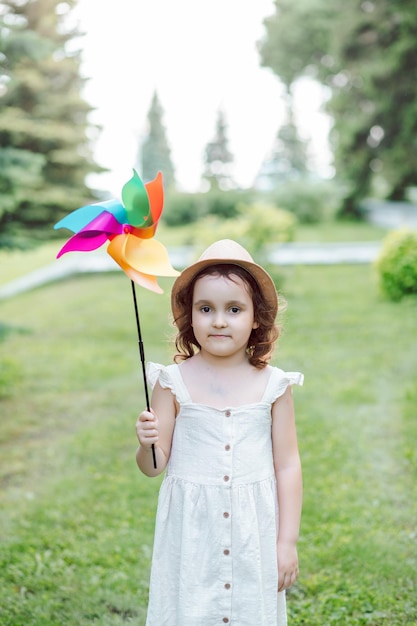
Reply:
x=222 y=423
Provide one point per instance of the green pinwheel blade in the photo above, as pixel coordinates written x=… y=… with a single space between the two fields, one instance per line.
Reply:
x=136 y=201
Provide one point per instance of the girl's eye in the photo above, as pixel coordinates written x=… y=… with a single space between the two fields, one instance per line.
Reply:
x=234 y=309
x=205 y=309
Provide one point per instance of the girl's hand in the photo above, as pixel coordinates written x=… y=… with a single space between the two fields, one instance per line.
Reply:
x=147 y=429
x=287 y=565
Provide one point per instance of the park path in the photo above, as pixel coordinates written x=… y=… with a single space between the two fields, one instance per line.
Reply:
x=284 y=254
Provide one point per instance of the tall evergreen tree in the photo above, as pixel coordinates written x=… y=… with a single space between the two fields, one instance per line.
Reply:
x=288 y=158
x=154 y=153
x=218 y=158
x=365 y=52
x=44 y=147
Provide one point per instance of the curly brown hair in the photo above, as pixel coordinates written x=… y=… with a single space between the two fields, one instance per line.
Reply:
x=262 y=339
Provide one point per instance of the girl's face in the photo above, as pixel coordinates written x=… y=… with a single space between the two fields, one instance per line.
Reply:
x=222 y=315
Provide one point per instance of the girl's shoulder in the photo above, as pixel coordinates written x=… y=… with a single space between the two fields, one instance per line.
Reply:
x=278 y=382
x=164 y=374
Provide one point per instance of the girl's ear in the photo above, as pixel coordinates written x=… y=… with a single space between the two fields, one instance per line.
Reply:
x=255 y=325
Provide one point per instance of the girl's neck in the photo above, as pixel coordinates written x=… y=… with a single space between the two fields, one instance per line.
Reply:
x=218 y=382
x=235 y=361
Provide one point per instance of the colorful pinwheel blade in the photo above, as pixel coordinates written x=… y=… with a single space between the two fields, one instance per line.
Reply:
x=129 y=228
x=150 y=257
x=143 y=280
x=83 y=242
x=155 y=191
x=116 y=249
x=94 y=235
x=145 y=256
x=135 y=198
x=78 y=219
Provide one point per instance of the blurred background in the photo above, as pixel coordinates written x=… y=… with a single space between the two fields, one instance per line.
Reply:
x=288 y=125
x=291 y=105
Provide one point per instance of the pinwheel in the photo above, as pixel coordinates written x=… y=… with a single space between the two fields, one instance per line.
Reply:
x=129 y=227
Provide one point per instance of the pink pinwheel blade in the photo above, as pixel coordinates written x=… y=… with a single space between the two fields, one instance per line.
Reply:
x=103 y=223
x=85 y=242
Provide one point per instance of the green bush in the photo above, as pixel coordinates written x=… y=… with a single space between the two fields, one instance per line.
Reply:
x=255 y=226
x=186 y=208
x=267 y=224
x=182 y=208
x=311 y=202
x=397 y=264
x=225 y=204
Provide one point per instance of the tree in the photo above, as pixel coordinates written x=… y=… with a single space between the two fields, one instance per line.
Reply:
x=217 y=157
x=288 y=158
x=44 y=154
x=365 y=52
x=155 y=154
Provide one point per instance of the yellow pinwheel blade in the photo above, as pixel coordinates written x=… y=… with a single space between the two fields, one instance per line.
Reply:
x=143 y=272
x=148 y=256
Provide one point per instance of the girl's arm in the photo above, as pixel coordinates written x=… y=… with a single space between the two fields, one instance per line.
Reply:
x=289 y=486
x=156 y=427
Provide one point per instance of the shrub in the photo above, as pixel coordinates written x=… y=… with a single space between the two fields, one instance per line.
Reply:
x=182 y=208
x=254 y=227
x=265 y=224
x=225 y=204
x=397 y=264
x=186 y=208
x=311 y=202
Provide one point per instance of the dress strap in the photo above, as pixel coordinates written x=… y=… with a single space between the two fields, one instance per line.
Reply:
x=169 y=377
x=278 y=383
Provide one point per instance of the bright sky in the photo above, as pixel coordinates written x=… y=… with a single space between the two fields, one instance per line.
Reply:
x=199 y=56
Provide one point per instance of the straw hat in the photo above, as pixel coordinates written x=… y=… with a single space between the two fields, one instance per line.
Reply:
x=225 y=251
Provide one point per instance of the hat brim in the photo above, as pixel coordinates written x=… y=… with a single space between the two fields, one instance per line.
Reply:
x=264 y=280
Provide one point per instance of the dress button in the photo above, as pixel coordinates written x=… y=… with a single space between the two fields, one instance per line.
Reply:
x=226 y=552
x=225 y=620
x=227 y=586
x=228 y=413
x=226 y=514
x=227 y=447
x=226 y=478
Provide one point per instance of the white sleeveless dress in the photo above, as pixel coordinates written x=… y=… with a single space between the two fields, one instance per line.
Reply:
x=214 y=557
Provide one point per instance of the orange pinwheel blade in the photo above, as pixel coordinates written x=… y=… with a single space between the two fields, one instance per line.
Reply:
x=141 y=259
x=148 y=256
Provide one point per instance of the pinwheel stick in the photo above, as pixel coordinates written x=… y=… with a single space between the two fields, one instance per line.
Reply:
x=142 y=359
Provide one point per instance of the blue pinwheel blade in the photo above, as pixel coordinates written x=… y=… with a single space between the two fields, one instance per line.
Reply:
x=78 y=219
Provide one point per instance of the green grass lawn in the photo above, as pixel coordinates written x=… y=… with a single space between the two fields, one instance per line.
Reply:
x=77 y=516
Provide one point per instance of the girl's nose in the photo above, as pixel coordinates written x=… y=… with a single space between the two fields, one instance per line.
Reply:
x=219 y=320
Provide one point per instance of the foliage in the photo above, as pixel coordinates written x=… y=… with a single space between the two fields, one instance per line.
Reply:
x=154 y=152
x=310 y=201
x=45 y=154
x=182 y=208
x=288 y=158
x=255 y=226
x=364 y=52
x=76 y=515
x=397 y=264
x=265 y=224
x=217 y=157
